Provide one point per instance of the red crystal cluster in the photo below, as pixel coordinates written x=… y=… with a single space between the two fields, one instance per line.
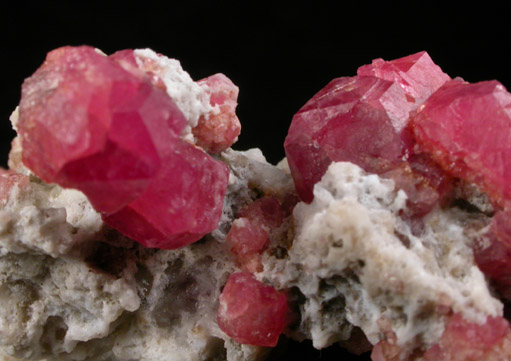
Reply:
x=408 y=121
x=365 y=120
x=250 y=311
x=101 y=125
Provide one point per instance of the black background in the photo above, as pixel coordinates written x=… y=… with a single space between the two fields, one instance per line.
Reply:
x=279 y=55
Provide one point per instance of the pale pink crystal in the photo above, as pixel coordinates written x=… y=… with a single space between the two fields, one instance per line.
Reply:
x=247 y=240
x=249 y=234
x=251 y=312
x=219 y=129
x=9 y=179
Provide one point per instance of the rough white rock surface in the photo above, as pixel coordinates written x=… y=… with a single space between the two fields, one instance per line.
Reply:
x=73 y=289
x=355 y=262
x=190 y=97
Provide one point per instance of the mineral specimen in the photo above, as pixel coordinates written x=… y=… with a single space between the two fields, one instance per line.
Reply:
x=400 y=243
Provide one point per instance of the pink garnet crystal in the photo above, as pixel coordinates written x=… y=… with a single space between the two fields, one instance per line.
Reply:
x=87 y=123
x=467 y=130
x=251 y=312
x=365 y=120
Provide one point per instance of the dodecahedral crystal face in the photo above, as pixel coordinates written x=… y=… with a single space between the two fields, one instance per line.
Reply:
x=87 y=123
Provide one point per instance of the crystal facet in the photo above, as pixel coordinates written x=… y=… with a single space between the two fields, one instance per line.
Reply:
x=416 y=74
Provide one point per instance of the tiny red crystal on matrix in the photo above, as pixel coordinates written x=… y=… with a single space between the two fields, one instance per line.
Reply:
x=219 y=130
x=251 y=312
x=365 y=120
x=86 y=122
x=249 y=235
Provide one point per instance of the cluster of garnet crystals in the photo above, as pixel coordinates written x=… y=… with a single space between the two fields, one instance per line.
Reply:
x=105 y=125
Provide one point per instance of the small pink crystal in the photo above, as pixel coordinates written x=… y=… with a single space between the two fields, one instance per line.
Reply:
x=266 y=210
x=460 y=341
x=465 y=341
x=9 y=179
x=416 y=74
x=100 y=125
x=247 y=240
x=251 y=312
x=467 y=130
x=218 y=130
x=249 y=234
